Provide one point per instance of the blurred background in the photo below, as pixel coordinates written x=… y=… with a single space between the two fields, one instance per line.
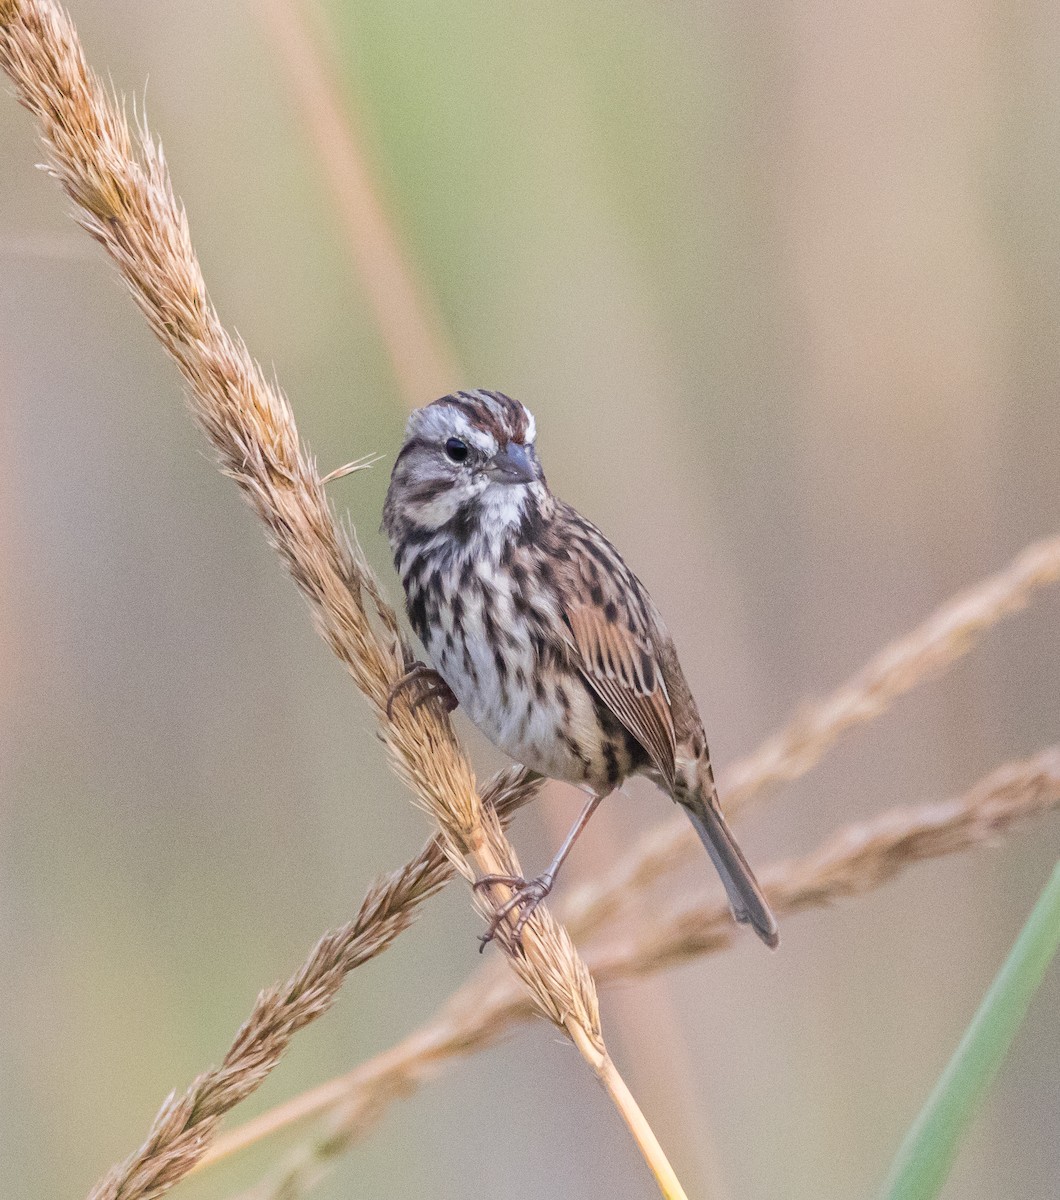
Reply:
x=781 y=283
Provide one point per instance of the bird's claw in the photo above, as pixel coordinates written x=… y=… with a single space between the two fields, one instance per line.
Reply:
x=432 y=685
x=526 y=895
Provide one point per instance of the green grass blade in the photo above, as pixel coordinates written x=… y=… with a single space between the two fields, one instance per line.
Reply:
x=927 y=1153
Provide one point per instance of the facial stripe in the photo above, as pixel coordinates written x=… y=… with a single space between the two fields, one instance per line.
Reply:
x=493 y=413
x=410 y=447
x=513 y=414
x=478 y=416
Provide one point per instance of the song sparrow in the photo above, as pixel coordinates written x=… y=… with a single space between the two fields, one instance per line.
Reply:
x=537 y=628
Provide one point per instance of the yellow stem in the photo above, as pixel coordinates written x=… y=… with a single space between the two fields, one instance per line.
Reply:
x=643 y=1135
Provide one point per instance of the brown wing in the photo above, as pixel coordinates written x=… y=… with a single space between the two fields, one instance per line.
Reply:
x=609 y=616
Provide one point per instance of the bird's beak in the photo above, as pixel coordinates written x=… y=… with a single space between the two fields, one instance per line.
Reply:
x=513 y=464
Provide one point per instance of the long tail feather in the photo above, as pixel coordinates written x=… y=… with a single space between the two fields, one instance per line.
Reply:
x=748 y=903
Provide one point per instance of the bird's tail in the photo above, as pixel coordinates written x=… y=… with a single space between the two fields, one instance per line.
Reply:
x=748 y=903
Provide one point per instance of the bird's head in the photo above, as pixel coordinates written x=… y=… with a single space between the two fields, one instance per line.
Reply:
x=468 y=457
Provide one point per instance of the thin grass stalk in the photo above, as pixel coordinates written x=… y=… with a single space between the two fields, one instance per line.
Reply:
x=947 y=635
x=854 y=861
x=123 y=197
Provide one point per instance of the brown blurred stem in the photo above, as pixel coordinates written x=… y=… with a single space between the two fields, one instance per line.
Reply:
x=423 y=362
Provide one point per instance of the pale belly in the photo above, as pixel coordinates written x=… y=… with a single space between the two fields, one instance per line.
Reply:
x=543 y=718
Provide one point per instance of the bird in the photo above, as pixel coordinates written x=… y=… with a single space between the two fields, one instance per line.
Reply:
x=533 y=624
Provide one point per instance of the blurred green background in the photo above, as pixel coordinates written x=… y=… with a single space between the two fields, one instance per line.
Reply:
x=781 y=283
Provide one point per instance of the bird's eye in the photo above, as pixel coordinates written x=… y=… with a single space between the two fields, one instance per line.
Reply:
x=456 y=450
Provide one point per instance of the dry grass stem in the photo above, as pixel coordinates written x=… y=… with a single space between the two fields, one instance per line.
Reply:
x=184 y=1124
x=855 y=860
x=423 y=363
x=351 y=468
x=123 y=197
x=947 y=635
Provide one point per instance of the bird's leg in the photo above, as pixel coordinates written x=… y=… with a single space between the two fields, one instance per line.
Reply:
x=433 y=685
x=527 y=894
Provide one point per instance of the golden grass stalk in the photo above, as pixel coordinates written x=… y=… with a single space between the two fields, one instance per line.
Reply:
x=949 y=633
x=123 y=197
x=853 y=861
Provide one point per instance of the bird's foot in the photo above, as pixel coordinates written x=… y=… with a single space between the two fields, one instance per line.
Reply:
x=429 y=685
x=526 y=895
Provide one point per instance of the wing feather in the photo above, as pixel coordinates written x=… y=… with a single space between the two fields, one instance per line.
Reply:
x=617 y=657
